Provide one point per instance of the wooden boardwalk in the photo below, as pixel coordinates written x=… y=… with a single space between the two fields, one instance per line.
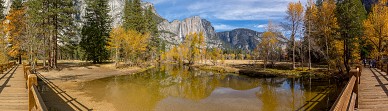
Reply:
x=373 y=90
x=13 y=92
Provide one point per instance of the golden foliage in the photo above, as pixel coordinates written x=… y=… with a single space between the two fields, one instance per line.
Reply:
x=14 y=28
x=215 y=55
x=192 y=49
x=376 y=27
x=268 y=44
x=295 y=12
x=132 y=43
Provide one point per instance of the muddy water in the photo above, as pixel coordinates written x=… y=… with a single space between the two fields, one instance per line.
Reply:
x=172 y=88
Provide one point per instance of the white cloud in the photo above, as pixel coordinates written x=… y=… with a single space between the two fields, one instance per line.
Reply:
x=223 y=27
x=240 y=9
x=261 y=26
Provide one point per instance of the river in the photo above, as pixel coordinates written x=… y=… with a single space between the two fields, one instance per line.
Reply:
x=177 y=88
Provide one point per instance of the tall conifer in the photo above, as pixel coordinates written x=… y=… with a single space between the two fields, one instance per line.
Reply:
x=95 y=31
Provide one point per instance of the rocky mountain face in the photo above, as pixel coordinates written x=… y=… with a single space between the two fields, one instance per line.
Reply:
x=175 y=32
x=244 y=39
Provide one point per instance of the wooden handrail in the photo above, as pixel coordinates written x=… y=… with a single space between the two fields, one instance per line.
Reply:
x=347 y=100
x=4 y=67
x=35 y=101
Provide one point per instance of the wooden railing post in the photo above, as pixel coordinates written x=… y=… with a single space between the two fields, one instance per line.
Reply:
x=355 y=88
x=1 y=69
x=32 y=80
x=359 y=67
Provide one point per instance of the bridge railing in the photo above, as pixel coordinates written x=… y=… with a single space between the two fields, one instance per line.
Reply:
x=347 y=101
x=6 y=66
x=35 y=101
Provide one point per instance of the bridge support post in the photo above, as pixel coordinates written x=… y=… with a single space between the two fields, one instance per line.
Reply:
x=32 y=80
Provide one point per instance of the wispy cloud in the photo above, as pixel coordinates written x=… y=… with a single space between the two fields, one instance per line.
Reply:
x=224 y=10
x=261 y=26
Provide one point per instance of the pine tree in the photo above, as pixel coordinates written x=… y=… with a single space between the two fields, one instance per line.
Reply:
x=2 y=16
x=134 y=16
x=51 y=21
x=95 y=31
x=151 y=27
x=350 y=14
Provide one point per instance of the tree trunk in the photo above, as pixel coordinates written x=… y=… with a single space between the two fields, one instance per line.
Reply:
x=117 y=58
x=301 y=56
x=346 y=55
x=309 y=48
x=55 y=44
x=327 y=54
x=293 y=51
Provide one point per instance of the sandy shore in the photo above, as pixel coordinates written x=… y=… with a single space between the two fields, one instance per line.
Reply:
x=62 y=91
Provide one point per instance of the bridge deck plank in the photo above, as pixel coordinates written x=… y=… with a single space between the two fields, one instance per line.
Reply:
x=373 y=90
x=13 y=92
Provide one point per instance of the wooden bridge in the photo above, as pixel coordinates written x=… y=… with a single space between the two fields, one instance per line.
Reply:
x=18 y=89
x=367 y=90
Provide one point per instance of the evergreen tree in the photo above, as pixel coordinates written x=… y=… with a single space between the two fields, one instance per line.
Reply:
x=95 y=31
x=52 y=21
x=350 y=14
x=151 y=27
x=17 y=4
x=134 y=17
x=2 y=16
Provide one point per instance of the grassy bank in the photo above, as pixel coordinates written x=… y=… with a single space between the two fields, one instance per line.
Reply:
x=220 y=69
x=255 y=69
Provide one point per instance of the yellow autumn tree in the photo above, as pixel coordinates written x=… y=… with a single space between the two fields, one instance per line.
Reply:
x=295 y=17
x=202 y=43
x=135 y=44
x=268 y=44
x=132 y=43
x=3 y=53
x=376 y=27
x=116 y=39
x=326 y=31
x=192 y=50
x=215 y=55
x=15 y=29
x=310 y=20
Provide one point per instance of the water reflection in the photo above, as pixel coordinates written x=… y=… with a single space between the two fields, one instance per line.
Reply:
x=183 y=88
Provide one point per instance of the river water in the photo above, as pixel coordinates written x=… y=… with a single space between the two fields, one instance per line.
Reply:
x=173 y=88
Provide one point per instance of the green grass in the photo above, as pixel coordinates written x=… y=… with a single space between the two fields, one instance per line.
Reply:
x=220 y=69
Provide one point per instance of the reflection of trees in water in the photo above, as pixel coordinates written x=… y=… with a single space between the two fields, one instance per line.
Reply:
x=144 y=91
x=267 y=95
x=196 y=84
x=294 y=93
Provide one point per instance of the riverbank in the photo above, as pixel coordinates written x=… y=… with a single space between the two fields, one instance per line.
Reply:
x=254 y=68
x=69 y=81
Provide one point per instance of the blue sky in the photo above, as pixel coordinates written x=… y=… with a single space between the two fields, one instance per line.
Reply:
x=226 y=14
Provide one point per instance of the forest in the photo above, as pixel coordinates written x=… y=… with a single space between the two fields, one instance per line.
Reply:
x=334 y=33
